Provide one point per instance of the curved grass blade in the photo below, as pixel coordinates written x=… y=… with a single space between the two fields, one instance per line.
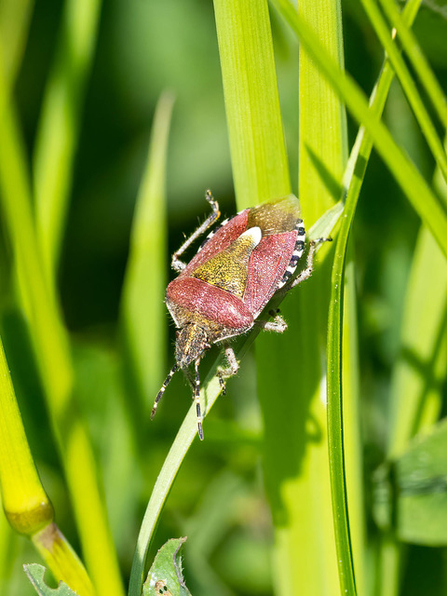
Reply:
x=418 y=60
x=25 y=502
x=409 y=86
x=143 y=309
x=426 y=204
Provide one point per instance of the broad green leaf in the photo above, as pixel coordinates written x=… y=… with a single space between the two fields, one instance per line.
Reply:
x=411 y=491
x=165 y=576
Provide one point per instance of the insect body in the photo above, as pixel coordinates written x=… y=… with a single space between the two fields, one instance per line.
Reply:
x=221 y=292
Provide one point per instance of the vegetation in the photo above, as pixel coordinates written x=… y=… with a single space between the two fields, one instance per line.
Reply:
x=324 y=467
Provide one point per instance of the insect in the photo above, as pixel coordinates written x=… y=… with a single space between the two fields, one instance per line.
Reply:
x=222 y=291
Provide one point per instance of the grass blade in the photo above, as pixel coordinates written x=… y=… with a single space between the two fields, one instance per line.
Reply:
x=15 y=17
x=143 y=310
x=409 y=86
x=53 y=357
x=60 y=123
x=341 y=406
x=418 y=60
x=182 y=442
x=260 y=172
x=322 y=158
x=426 y=204
x=291 y=372
x=258 y=153
x=24 y=499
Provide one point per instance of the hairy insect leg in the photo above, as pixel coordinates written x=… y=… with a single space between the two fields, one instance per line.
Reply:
x=225 y=372
x=197 y=399
x=178 y=265
x=163 y=389
x=278 y=325
x=189 y=377
x=306 y=273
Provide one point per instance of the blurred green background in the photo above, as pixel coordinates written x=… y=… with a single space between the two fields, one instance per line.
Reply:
x=143 y=48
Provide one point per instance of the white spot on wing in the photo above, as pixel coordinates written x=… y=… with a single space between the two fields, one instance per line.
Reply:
x=255 y=234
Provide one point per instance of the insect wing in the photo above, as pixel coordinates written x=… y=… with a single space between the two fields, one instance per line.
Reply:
x=267 y=266
x=219 y=241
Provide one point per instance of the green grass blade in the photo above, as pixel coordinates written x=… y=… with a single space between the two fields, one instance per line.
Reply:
x=51 y=347
x=339 y=379
x=290 y=367
x=210 y=391
x=260 y=172
x=60 y=122
x=418 y=375
x=352 y=181
x=258 y=154
x=39 y=302
x=418 y=60
x=15 y=17
x=336 y=424
x=426 y=204
x=182 y=442
x=420 y=371
x=143 y=309
x=403 y=74
x=322 y=157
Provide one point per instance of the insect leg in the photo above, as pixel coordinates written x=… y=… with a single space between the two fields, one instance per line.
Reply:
x=306 y=273
x=225 y=372
x=163 y=389
x=197 y=400
x=278 y=325
x=178 y=265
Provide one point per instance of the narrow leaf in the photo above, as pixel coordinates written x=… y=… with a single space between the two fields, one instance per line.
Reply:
x=258 y=153
x=143 y=309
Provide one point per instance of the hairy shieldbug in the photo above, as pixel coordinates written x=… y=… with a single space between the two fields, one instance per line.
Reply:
x=221 y=292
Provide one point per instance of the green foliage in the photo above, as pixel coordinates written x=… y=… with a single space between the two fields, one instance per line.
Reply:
x=36 y=575
x=411 y=490
x=165 y=575
x=323 y=468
